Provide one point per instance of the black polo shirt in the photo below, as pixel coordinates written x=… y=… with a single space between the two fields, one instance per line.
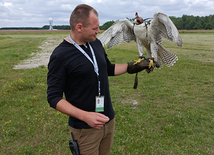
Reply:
x=71 y=73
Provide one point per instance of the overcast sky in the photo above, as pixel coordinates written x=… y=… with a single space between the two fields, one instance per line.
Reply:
x=35 y=13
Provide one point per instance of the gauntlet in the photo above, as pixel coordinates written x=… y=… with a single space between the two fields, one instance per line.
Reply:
x=141 y=64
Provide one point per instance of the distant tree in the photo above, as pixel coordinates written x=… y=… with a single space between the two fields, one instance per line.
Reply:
x=45 y=27
x=62 y=27
x=208 y=26
x=184 y=17
x=106 y=25
x=187 y=27
x=192 y=24
x=178 y=22
x=198 y=26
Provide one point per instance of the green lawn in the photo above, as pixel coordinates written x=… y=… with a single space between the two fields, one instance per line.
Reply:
x=171 y=112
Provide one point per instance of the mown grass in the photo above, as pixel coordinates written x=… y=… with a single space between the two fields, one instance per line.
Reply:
x=171 y=112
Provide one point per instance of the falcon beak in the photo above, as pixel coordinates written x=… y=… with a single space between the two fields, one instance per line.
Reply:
x=136 y=21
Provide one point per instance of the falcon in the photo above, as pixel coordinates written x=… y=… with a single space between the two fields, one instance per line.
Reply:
x=145 y=34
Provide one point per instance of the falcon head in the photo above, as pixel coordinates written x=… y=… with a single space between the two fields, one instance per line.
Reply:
x=138 y=20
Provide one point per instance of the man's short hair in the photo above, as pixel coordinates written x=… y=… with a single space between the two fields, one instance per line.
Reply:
x=80 y=15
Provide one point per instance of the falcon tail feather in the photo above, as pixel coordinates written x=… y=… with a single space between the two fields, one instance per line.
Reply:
x=166 y=56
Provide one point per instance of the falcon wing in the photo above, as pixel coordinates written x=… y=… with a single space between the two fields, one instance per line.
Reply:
x=162 y=26
x=118 y=32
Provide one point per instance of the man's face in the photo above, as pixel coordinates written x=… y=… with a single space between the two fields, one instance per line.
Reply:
x=90 y=32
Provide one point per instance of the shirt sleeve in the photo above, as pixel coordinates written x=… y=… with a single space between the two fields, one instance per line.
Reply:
x=110 y=66
x=55 y=81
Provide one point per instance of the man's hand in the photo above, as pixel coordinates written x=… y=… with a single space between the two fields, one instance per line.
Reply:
x=141 y=64
x=95 y=120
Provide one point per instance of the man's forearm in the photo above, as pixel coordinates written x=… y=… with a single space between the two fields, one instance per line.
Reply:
x=93 y=119
x=120 y=69
x=70 y=110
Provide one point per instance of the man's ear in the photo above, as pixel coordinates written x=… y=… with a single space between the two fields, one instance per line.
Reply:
x=79 y=27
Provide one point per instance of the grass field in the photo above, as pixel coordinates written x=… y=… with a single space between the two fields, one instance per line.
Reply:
x=171 y=112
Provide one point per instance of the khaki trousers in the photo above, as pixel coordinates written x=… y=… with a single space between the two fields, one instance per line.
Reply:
x=95 y=141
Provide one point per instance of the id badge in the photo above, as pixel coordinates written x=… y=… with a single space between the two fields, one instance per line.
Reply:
x=99 y=104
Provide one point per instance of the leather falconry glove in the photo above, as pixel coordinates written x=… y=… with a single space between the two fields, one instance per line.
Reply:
x=139 y=65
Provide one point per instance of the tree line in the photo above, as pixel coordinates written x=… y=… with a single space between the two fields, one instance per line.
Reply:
x=186 y=22
x=45 y=27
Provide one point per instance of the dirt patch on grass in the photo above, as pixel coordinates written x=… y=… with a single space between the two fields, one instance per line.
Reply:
x=41 y=58
x=133 y=102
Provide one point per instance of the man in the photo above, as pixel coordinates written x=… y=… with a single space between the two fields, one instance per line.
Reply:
x=79 y=68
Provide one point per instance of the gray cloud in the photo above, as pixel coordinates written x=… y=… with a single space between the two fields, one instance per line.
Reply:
x=26 y=13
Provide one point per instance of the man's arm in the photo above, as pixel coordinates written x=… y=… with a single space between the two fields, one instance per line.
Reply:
x=120 y=69
x=93 y=119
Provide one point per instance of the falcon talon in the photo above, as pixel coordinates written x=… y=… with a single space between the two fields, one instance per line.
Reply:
x=138 y=61
x=151 y=63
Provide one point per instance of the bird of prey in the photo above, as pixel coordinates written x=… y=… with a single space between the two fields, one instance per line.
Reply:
x=145 y=34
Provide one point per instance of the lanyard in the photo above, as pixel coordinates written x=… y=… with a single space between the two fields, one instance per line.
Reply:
x=94 y=62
